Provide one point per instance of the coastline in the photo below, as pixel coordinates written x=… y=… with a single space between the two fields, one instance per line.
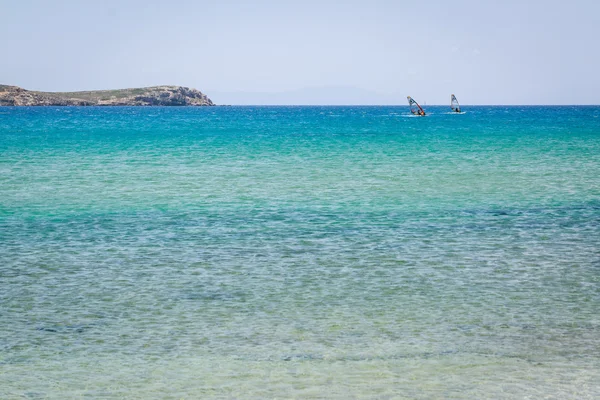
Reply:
x=148 y=96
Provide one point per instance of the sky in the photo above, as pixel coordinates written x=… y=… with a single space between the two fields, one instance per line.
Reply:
x=310 y=52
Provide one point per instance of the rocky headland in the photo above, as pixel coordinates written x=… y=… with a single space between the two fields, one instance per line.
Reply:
x=149 y=96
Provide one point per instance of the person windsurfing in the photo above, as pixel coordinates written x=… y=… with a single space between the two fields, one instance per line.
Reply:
x=454 y=104
x=415 y=108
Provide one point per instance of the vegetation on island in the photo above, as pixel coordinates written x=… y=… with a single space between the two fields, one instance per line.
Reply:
x=148 y=96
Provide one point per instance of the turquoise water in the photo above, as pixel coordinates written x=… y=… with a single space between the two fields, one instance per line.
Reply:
x=299 y=252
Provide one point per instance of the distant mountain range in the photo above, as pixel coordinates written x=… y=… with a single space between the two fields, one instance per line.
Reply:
x=148 y=96
x=317 y=95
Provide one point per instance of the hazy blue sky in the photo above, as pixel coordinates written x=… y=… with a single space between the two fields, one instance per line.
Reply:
x=311 y=52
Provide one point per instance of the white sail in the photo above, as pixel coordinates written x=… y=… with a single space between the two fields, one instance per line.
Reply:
x=454 y=104
x=415 y=108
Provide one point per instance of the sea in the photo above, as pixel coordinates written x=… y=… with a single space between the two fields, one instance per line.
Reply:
x=300 y=253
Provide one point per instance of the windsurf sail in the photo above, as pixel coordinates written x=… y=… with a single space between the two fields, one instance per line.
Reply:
x=454 y=104
x=415 y=108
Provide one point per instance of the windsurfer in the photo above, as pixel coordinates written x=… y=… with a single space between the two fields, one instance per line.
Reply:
x=415 y=108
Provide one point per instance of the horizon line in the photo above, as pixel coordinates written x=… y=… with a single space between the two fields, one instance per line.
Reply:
x=313 y=105
x=402 y=105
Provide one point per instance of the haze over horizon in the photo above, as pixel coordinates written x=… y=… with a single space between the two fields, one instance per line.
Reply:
x=310 y=52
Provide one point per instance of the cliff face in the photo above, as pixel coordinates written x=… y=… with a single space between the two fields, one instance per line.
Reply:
x=150 y=96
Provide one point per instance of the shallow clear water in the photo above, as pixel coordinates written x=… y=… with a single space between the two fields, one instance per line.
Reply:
x=299 y=252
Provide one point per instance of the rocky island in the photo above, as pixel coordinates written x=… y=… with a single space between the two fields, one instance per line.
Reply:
x=149 y=96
